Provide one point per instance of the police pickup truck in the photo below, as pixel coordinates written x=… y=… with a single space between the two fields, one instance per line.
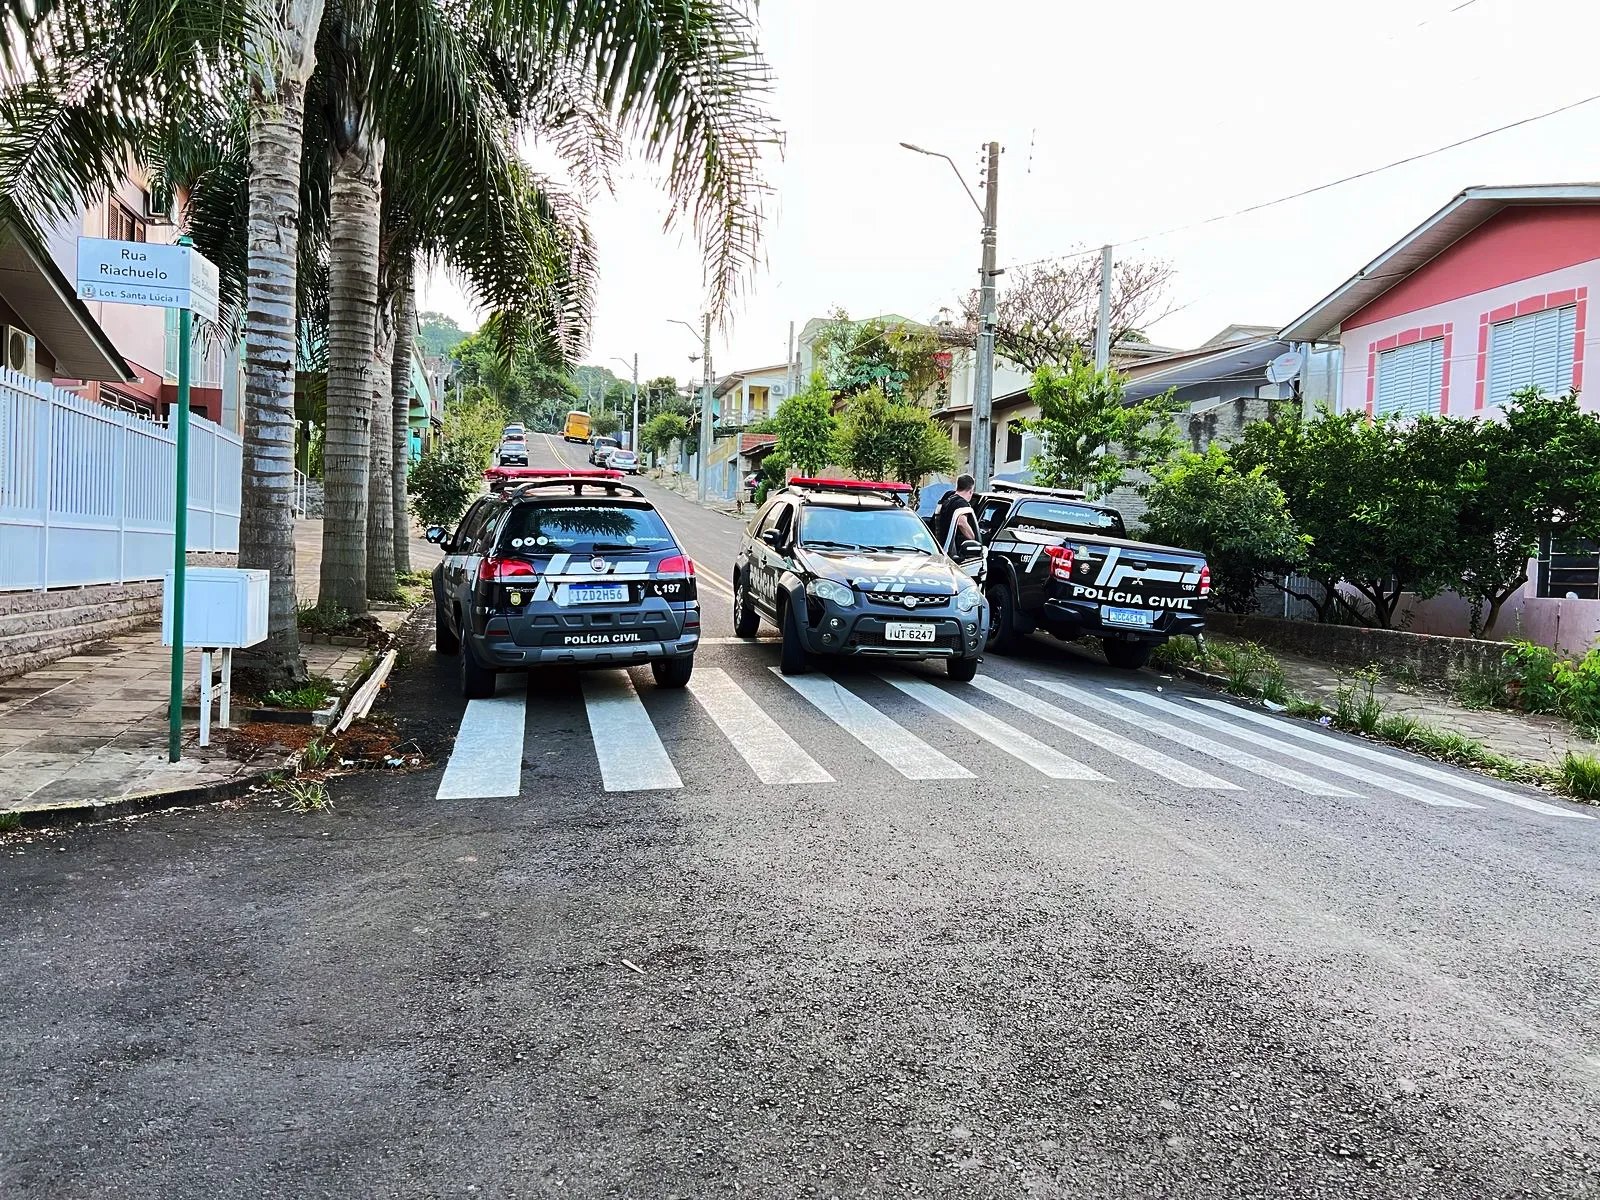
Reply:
x=1058 y=563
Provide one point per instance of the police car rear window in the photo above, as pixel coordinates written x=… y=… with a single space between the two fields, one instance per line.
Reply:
x=1043 y=516
x=582 y=529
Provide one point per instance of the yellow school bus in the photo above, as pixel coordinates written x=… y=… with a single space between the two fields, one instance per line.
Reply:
x=577 y=427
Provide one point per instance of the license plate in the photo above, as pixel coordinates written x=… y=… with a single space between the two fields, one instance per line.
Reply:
x=597 y=593
x=1127 y=616
x=908 y=631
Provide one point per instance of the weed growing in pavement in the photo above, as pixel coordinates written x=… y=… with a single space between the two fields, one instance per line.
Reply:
x=313 y=694
x=315 y=755
x=1580 y=777
x=1177 y=652
x=413 y=587
x=1250 y=669
x=10 y=821
x=1306 y=708
x=308 y=795
x=1484 y=689
x=316 y=618
x=1404 y=674
x=1397 y=728
x=1446 y=745
x=1533 y=677
x=1356 y=702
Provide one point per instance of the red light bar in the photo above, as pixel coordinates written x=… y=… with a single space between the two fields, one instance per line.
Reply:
x=550 y=473
x=851 y=485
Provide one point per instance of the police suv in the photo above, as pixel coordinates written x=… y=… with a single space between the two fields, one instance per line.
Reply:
x=844 y=567
x=1061 y=564
x=563 y=566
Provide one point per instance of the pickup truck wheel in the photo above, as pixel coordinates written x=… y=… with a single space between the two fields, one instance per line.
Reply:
x=1127 y=656
x=746 y=620
x=444 y=638
x=793 y=660
x=961 y=670
x=1003 y=637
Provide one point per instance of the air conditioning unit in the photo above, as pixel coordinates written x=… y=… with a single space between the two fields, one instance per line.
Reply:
x=19 y=350
x=778 y=391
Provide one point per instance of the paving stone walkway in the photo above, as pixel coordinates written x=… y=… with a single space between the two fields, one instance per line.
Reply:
x=93 y=727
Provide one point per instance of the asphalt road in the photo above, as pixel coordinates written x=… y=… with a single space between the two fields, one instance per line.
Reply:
x=1154 y=948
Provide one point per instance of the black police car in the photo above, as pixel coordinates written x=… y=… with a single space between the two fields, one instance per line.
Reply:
x=564 y=566
x=844 y=567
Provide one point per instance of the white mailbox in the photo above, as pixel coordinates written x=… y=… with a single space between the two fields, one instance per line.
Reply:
x=222 y=608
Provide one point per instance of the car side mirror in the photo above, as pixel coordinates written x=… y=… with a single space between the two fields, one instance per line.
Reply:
x=969 y=549
x=772 y=538
x=437 y=534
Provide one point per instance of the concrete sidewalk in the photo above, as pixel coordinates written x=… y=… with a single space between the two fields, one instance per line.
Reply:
x=92 y=728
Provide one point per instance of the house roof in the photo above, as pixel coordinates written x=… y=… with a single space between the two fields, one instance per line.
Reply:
x=730 y=381
x=43 y=298
x=1209 y=364
x=1466 y=212
x=756 y=441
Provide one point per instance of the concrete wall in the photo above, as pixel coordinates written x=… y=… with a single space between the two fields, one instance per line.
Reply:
x=1430 y=657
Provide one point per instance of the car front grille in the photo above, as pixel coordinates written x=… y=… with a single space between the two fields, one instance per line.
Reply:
x=898 y=600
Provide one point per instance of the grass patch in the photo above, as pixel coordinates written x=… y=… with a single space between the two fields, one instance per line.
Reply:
x=313 y=694
x=317 y=618
x=413 y=587
x=1356 y=704
x=10 y=821
x=1580 y=777
x=308 y=795
x=1484 y=689
x=315 y=756
x=1310 y=709
x=1397 y=728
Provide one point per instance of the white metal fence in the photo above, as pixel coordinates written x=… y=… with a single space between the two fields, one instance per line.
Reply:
x=86 y=491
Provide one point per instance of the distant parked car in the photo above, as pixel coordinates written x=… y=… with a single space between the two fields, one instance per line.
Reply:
x=600 y=448
x=622 y=459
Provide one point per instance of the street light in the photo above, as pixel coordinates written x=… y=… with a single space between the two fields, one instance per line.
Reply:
x=704 y=451
x=634 y=444
x=983 y=381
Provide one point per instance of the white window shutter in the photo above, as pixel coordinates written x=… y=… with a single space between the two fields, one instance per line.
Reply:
x=1411 y=379
x=1532 y=351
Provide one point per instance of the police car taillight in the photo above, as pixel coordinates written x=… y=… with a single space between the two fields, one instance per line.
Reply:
x=1205 y=580
x=1060 y=562
x=676 y=564
x=498 y=570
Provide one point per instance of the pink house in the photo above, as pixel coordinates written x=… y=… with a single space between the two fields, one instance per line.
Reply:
x=1486 y=297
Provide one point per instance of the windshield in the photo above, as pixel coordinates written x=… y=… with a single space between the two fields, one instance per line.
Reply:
x=825 y=528
x=582 y=529
x=1040 y=516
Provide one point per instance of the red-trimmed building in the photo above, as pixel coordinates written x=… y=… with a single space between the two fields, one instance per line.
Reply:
x=1486 y=297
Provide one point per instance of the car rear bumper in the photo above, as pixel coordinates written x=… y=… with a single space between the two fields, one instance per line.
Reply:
x=503 y=653
x=1084 y=619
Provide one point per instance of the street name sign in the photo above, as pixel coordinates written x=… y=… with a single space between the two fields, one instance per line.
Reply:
x=147 y=273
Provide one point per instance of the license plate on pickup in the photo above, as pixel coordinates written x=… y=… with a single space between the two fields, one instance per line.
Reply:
x=597 y=593
x=1141 y=618
x=908 y=631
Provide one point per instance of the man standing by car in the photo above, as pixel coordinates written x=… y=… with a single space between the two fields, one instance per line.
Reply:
x=954 y=521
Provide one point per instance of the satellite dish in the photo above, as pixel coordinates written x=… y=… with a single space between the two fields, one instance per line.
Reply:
x=1285 y=367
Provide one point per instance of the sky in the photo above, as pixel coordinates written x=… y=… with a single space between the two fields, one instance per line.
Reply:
x=1113 y=129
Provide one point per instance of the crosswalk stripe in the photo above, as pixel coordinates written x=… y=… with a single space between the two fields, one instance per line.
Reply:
x=487 y=757
x=1189 y=738
x=1395 y=762
x=1019 y=745
x=890 y=741
x=773 y=755
x=1336 y=766
x=632 y=758
x=1140 y=756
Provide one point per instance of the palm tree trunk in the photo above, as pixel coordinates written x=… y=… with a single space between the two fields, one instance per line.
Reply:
x=352 y=328
x=400 y=393
x=380 y=473
x=266 y=519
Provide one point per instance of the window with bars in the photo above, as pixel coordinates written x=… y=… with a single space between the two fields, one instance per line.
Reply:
x=123 y=226
x=1411 y=379
x=1013 y=441
x=1568 y=567
x=1532 y=351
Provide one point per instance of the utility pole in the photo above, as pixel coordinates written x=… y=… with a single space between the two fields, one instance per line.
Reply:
x=1102 y=331
x=705 y=403
x=789 y=372
x=983 y=384
x=634 y=444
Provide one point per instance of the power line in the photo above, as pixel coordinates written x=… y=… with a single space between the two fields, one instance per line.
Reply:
x=1322 y=187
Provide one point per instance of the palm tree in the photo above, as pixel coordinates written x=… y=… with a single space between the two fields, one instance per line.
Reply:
x=400 y=416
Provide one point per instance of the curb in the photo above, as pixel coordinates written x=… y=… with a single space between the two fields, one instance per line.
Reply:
x=80 y=812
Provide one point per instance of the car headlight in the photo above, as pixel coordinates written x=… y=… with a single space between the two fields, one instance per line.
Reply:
x=968 y=599
x=827 y=589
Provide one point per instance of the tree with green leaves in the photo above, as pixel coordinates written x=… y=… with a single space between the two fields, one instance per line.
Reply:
x=1238 y=519
x=605 y=423
x=661 y=430
x=884 y=440
x=807 y=429
x=1091 y=437
x=903 y=360
x=438 y=334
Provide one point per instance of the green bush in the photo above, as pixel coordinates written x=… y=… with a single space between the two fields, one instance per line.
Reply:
x=1533 y=676
x=1580 y=777
x=1578 y=686
x=442 y=483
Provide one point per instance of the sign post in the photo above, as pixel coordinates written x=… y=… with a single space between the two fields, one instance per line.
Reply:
x=160 y=276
